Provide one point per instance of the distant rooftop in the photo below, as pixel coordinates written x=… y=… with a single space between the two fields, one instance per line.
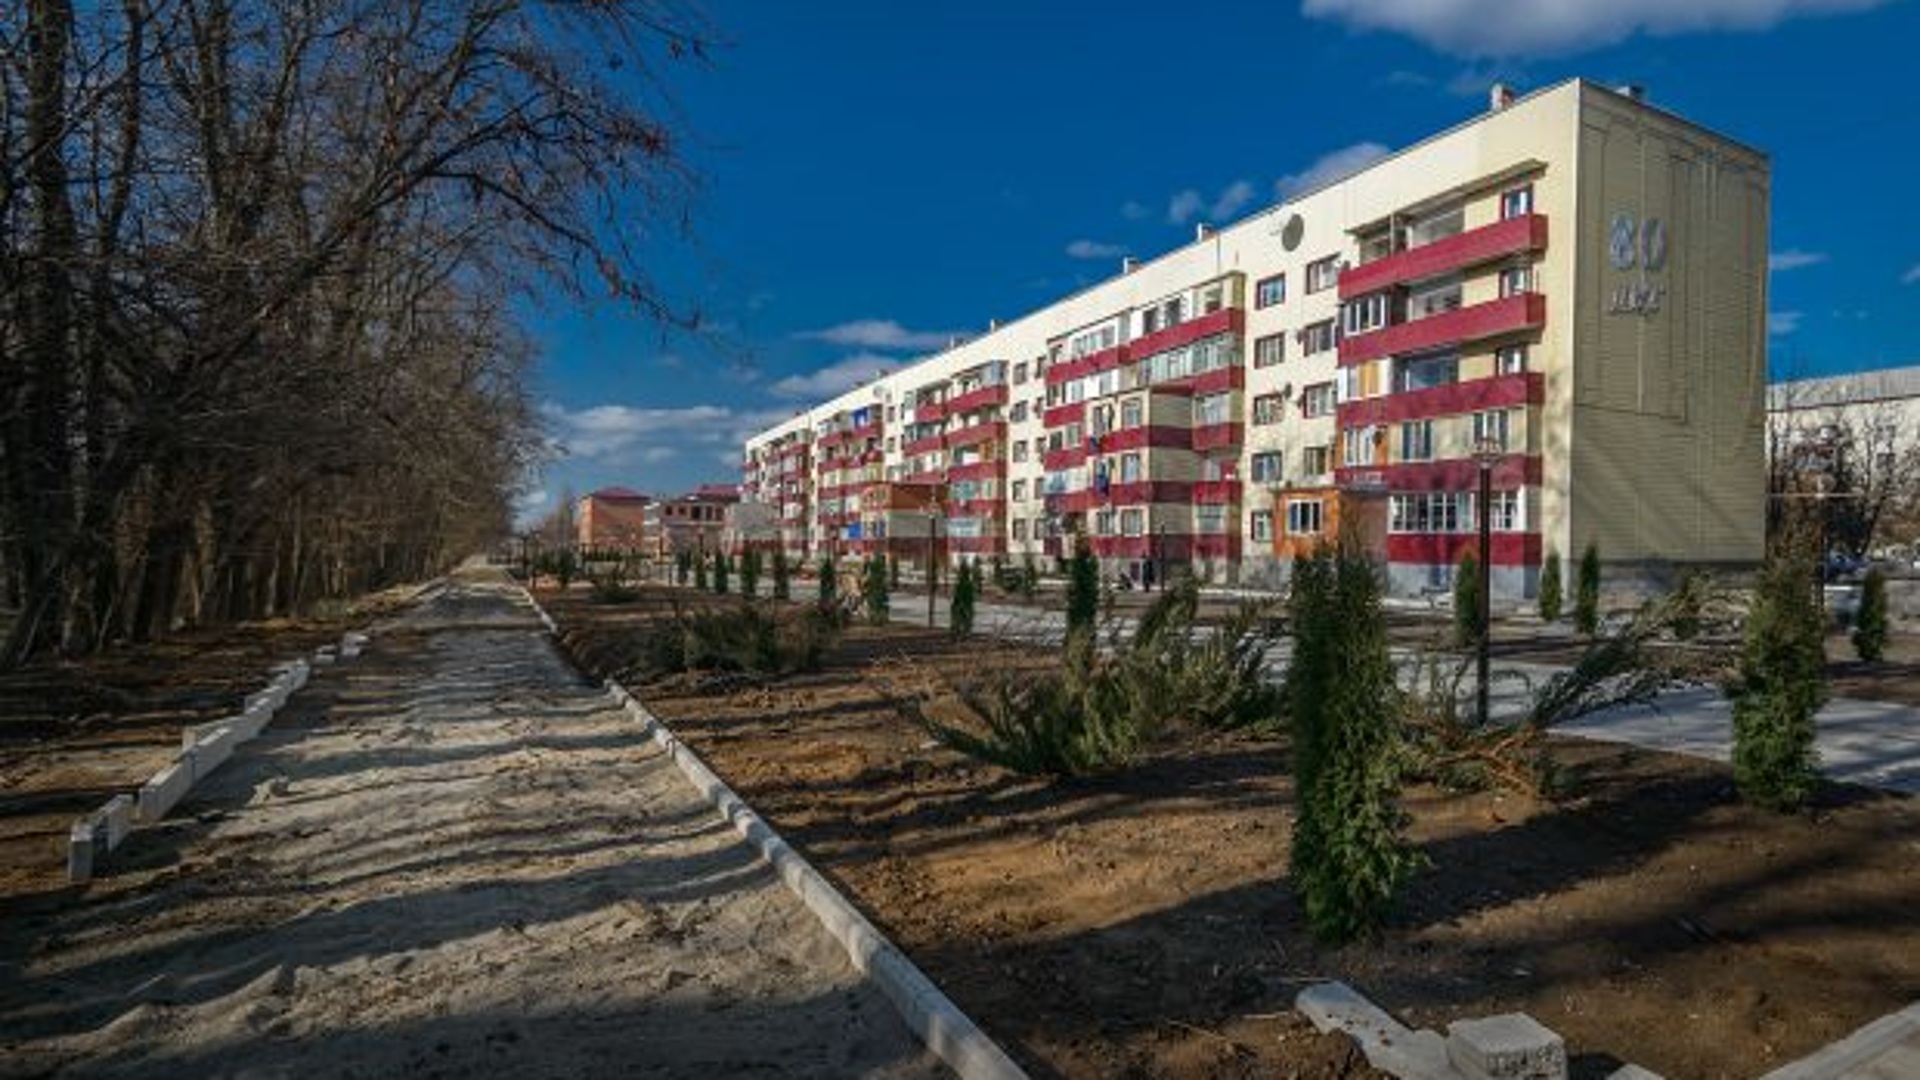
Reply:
x=618 y=494
x=1857 y=388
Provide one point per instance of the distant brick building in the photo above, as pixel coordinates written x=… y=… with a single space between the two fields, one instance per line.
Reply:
x=611 y=517
x=691 y=522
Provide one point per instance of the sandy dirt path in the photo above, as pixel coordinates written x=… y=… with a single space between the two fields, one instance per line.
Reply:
x=448 y=858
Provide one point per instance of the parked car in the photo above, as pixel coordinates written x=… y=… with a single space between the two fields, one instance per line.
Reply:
x=1841 y=566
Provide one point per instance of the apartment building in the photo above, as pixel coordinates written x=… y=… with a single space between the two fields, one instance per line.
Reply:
x=1568 y=291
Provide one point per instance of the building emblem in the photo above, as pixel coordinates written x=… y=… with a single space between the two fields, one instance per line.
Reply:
x=1623 y=241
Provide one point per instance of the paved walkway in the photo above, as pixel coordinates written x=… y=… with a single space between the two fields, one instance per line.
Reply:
x=447 y=858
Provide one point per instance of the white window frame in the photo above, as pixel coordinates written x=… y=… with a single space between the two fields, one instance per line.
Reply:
x=1269 y=351
x=1270 y=291
x=1306 y=517
x=1416 y=440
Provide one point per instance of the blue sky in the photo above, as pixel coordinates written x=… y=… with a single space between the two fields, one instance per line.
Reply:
x=877 y=175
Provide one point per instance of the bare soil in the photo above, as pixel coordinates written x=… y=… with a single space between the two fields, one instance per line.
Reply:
x=75 y=733
x=1141 y=924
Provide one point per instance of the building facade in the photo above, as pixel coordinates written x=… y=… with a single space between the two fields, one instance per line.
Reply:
x=611 y=517
x=1568 y=291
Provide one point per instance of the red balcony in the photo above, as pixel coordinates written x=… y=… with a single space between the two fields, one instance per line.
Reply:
x=929 y=476
x=923 y=445
x=1217 y=492
x=978 y=470
x=1457 y=252
x=1133 y=493
x=1135 y=438
x=1454 y=474
x=1062 y=415
x=1508 y=548
x=968 y=436
x=977 y=545
x=1215 y=546
x=1224 y=321
x=930 y=412
x=1521 y=311
x=1498 y=392
x=1066 y=457
x=1070 y=370
x=982 y=507
x=1216 y=436
x=979 y=398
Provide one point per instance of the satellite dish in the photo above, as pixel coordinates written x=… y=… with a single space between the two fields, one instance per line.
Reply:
x=1292 y=232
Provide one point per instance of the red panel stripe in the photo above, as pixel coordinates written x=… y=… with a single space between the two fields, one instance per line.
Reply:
x=1471 y=248
x=1500 y=391
x=1505 y=548
x=1520 y=311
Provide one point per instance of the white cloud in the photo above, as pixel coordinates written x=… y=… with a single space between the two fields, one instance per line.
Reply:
x=1794 y=259
x=835 y=379
x=1187 y=205
x=1782 y=323
x=1134 y=211
x=1538 y=27
x=1912 y=275
x=1334 y=165
x=878 y=334
x=626 y=434
x=1094 y=249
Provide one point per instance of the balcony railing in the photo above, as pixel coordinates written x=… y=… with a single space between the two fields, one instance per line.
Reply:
x=1072 y=412
x=1214 y=492
x=1224 y=321
x=924 y=445
x=1216 y=436
x=1527 y=232
x=978 y=398
x=1521 y=311
x=968 y=436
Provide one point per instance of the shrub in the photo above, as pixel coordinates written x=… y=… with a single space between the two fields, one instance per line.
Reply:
x=1870 y=623
x=1781 y=684
x=1172 y=673
x=1467 y=627
x=893 y=571
x=1550 y=587
x=1029 y=576
x=1348 y=860
x=750 y=572
x=1083 y=588
x=960 y=608
x=829 y=585
x=753 y=640
x=1685 y=603
x=782 y=584
x=874 y=591
x=683 y=566
x=1586 y=596
x=700 y=573
x=611 y=588
x=722 y=566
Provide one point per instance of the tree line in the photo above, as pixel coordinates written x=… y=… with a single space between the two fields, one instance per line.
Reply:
x=261 y=266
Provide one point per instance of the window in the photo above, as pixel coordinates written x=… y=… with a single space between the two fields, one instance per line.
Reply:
x=1356 y=446
x=1262 y=526
x=1425 y=373
x=1103 y=522
x=1323 y=273
x=1316 y=399
x=1132 y=412
x=1490 y=427
x=1319 y=337
x=1434 y=298
x=1020 y=450
x=1510 y=359
x=1270 y=291
x=1213 y=299
x=1269 y=350
x=1304 y=517
x=1367 y=313
x=1430 y=512
x=1129 y=468
x=1506 y=510
x=1019 y=528
x=891 y=412
x=1133 y=522
x=1211 y=520
x=1515 y=280
x=1516 y=202
x=1267 y=409
x=1316 y=460
x=890 y=444
x=1266 y=467
x=1019 y=412
x=1416 y=440
x=1020 y=373
x=1019 y=490
x=1213 y=409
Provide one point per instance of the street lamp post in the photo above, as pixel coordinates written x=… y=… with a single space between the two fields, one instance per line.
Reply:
x=933 y=573
x=1485 y=453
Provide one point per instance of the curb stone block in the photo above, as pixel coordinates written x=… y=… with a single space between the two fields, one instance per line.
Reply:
x=1512 y=1046
x=118 y=817
x=1634 y=1072
x=81 y=848
x=1389 y=1045
x=159 y=794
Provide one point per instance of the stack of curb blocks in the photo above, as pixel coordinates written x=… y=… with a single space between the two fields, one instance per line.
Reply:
x=203 y=748
x=1513 y=1046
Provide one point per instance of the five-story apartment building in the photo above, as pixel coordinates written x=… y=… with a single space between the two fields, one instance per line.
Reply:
x=1568 y=291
